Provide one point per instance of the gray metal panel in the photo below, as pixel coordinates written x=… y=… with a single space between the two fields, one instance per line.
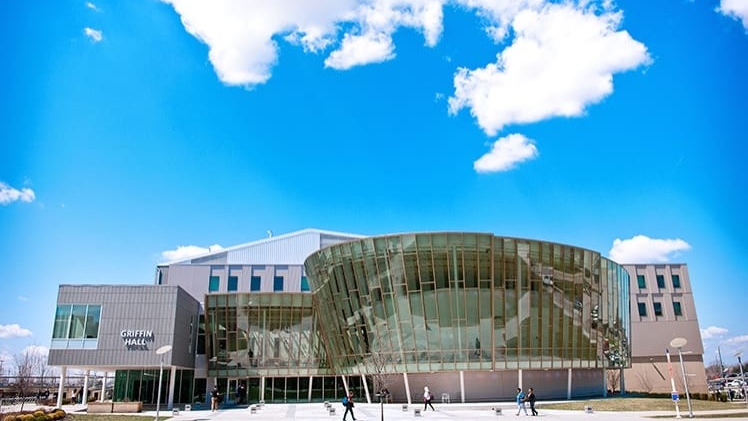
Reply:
x=143 y=307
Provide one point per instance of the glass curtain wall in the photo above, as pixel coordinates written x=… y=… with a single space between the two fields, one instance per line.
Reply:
x=467 y=301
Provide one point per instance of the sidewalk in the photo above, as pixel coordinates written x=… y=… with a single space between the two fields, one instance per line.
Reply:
x=395 y=412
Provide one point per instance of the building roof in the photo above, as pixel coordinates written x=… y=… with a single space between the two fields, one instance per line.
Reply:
x=291 y=248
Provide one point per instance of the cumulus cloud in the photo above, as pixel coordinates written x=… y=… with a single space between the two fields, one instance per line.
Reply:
x=240 y=35
x=92 y=6
x=712 y=331
x=562 y=59
x=505 y=153
x=93 y=34
x=185 y=252
x=13 y=331
x=9 y=194
x=737 y=339
x=736 y=9
x=642 y=249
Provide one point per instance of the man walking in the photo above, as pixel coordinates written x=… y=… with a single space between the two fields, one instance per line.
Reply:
x=348 y=403
x=531 y=399
x=521 y=401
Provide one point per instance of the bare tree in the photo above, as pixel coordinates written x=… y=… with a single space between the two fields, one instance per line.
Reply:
x=24 y=374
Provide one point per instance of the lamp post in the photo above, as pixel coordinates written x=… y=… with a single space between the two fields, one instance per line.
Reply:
x=672 y=384
x=742 y=377
x=679 y=343
x=160 y=352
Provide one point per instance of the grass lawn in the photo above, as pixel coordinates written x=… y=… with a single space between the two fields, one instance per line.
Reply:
x=642 y=404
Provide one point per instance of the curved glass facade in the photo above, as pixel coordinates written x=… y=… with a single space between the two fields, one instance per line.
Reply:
x=444 y=302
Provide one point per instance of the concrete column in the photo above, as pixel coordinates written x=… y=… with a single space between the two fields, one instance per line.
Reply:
x=102 y=395
x=519 y=379
x=172 y=380
x=407 y=387
x=84 y=398
x=462 y=386
x=366 y=389
x=61 y=387
x=309 y=395
x=568 y=384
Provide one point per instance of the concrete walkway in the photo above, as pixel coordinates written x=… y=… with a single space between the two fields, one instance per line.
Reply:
x=395 y=412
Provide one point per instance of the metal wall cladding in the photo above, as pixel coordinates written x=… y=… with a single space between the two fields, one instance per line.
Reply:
x=161 y=310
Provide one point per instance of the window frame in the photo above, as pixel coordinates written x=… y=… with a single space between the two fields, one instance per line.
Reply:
x=657 y=307
x=214 y=283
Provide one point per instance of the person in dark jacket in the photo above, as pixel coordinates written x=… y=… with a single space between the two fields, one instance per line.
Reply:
x=348 y=402
x=531 y=398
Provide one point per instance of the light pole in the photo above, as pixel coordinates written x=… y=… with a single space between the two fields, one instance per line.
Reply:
x=672 y=384
x=742 y=377
x=680 y=343
x=160 y=352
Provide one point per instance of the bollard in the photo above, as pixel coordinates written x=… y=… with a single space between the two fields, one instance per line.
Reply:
x=497 y=411
x=588 y=409
x=405 y=408
x=416 y=412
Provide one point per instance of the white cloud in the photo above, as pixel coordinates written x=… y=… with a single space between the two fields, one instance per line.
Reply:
x=642 y=249
x=9 y=194
x=185 y=252
x=736 y=9
x=13 y=331
x=22 y=298
x=240 y=34
x=505 y=153
x=712 y=331
x=737 y=339
x=36 y=350
x=92 y=6
x=561 y=59
x=93 y=34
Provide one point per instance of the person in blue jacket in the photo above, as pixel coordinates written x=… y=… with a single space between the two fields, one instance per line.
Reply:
x=521 y=401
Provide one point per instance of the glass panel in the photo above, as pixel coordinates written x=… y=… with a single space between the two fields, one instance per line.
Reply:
x=255 y=283
x=62 y=321
x=677 y=309
x=278 y=283
x=676 y=281
x=213 y=284
x=233 y=284
x=77 y=322
x=92 y=321
x=641 y=281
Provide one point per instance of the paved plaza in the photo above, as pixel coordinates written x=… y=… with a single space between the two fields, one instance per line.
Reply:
x=396 y=412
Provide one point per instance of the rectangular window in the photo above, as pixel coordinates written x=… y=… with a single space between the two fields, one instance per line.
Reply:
x=77 y=322
x=676 y=281
x=304 y=283
x=213 y=284
x=62 y=321
x=201 y=335
x=642 y=309
x=677 y=310
x=658 y=309
x=93 y=315
x=233 y=284
x=660 y=281
x=641 y=281
x=255 y=283
x=278 y=283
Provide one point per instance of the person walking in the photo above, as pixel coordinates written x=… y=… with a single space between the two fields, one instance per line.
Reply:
x=427 y=398
x=348 y=403
x=531 y=399
x=521 y=401
x=214 y=396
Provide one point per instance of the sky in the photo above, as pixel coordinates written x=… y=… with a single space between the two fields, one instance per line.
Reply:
x=137 y=132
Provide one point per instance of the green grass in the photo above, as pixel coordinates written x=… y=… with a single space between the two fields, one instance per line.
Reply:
x=642 y=404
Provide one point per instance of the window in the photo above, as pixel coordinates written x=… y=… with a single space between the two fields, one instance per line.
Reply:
x=677 y=310
x=78 y=321
x=642 y=309
x=641 y=281
x=676 y=281
x=201 y=335
x=660 y=281
x=213 y=284
x=255 y=283
x=278 y=283
x=304 y=283
x=233 y=284
x=658 y=309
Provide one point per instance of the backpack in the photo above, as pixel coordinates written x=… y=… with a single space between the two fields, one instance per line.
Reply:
x=345 y=400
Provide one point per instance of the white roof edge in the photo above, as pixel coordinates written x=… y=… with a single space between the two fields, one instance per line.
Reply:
x=264 y=241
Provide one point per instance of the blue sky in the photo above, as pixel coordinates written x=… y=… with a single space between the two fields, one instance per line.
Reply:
x=135 y=132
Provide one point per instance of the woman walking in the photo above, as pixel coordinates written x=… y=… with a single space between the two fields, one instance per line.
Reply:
x=531 y=399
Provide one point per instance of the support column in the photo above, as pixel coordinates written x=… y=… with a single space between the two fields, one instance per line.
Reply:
x=172 y=380
x=309 y=397
x=84 y=398
x=345 y=384
x=102 y=395
x=262 y=388
x=568 y=384
x=60 y=388
x=407 y=387
x=519 y=379
x=462 y=387
x=366 y=388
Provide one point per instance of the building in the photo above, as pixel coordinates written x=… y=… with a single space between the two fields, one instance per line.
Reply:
x=662 y=309
x=309 y=315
